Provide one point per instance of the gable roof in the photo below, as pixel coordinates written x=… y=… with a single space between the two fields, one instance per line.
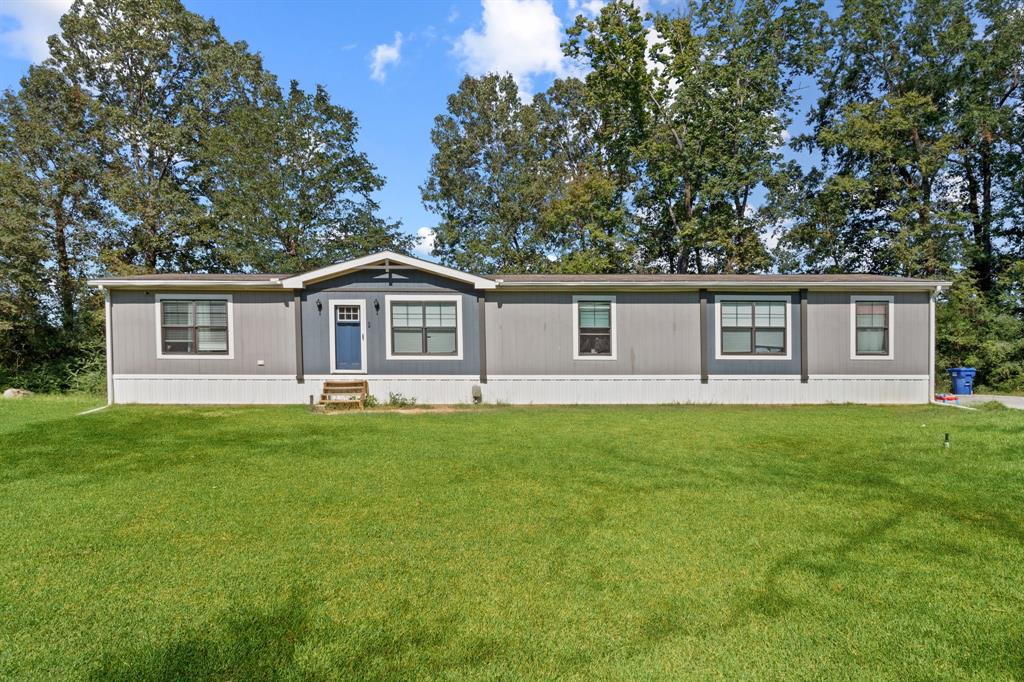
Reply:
x=513 y=281
x=385 y=258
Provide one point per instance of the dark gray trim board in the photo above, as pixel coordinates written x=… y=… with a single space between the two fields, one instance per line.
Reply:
x=481 y=304
x=297 y=304
x=703 y=336
x=804 y=375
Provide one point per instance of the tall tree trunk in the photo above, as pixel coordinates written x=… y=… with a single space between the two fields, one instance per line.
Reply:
x=983 y=230
x=64 y=284
x=979 y=206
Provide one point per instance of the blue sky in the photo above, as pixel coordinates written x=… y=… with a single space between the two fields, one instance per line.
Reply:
x=392 y=63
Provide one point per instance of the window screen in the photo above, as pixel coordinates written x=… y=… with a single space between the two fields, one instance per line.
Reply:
x=194 y=327
x=595 y=327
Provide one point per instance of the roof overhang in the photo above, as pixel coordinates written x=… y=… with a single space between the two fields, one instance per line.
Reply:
x=385 y=258
x=388 y=259
x=721 y=285
x=184 y=284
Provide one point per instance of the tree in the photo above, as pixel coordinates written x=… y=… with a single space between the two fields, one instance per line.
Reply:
x=51 y=144
x=22 y=275
x=584 y=222
x=977 y=331
x=488 y=179
x=987 y=107
x=916 y=129
x=694 y=110
x=289 y=190
x=162 y=78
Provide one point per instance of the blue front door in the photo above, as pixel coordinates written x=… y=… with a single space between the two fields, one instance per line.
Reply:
x=348 y=338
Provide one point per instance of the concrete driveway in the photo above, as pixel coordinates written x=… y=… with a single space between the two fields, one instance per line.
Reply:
x=1014 y=401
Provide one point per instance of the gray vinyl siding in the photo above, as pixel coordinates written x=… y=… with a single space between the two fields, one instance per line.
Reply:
x=263 y=327
x=829 y=335
x=372 y=286
x=528 y=333
x=532 y=334
x=759 y=366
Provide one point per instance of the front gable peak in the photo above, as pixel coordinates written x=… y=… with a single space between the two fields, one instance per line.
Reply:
x=385 y=259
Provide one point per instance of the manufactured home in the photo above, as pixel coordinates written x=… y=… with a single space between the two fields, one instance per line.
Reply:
x=444 y=336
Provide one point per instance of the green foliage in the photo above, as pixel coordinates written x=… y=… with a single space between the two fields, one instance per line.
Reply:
x=524 y=187
x=981 y=333
x=290 y=191
x=918 y=127
x=694 y=109
x=178 y=79
x=487 y=179
x=399 y=400
x=533 y=543
x=149 y=142
x=370 y=401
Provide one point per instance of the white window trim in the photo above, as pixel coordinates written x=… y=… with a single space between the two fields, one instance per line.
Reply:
x=787 y=298
x=576 y=326
x=853 y=326
x=459 y=333
x=332 y=306
x=184 y=296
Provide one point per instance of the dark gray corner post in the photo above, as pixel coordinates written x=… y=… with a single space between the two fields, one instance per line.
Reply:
x=804 y=376
x=481 y=304
x=297 y=305
x=703 y=336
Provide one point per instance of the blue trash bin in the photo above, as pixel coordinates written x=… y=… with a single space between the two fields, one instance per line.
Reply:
x=963 y=379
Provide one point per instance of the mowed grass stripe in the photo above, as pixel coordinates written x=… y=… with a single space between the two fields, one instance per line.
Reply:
x=523 y=543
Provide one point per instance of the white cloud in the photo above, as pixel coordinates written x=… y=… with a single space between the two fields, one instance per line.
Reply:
x=383 y=56
x=35 y=20
x=593 y=7
x=424 y=241
x=453 y=14
x=520 y=37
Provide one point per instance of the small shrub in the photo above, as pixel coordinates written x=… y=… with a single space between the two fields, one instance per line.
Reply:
x=370 y=401
x=399 y=400
x=90 y=377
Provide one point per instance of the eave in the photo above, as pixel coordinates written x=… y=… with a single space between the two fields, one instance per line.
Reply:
x=720 y=285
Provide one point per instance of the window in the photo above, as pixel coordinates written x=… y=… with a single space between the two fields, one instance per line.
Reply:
x=594 y=327
x=754 y=327
x=424 y=328
x=192 y=326
x=871 y=327
x=348 y=313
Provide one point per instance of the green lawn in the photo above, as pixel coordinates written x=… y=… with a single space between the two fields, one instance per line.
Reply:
x=518 y=543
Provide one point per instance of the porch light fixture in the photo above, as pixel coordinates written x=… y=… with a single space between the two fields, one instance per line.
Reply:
x=319 y=305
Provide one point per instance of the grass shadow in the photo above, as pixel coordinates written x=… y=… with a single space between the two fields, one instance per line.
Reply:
x=248 y=644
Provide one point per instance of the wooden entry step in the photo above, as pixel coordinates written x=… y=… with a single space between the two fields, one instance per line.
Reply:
x=344 y=393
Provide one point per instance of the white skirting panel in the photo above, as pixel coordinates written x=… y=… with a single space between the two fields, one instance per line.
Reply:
x=171 y=389
x=517 y=390
x=780 y=390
